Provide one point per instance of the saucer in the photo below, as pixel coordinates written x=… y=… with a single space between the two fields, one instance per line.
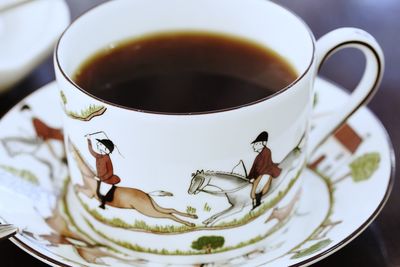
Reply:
x=346 y=184
x=28 y=31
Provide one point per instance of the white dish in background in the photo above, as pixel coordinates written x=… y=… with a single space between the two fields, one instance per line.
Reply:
x=5 y=4
x=28 y=33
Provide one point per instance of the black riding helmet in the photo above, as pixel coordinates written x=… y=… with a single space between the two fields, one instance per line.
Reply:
x=262 y=137
x=107 y=143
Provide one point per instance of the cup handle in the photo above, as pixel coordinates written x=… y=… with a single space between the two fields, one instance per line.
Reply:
x=328 y=45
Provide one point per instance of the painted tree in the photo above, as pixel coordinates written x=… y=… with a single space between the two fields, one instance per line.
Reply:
x=208 y=243
x=362 y=168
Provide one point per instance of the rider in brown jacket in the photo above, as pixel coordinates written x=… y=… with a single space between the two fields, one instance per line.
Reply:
x=104 y=168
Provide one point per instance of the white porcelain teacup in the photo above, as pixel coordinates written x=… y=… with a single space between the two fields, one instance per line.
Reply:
x=179 y=185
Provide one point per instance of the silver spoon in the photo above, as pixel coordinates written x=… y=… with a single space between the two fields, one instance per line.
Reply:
x=7 y=231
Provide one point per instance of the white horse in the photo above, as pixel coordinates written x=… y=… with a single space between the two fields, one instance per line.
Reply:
x=236 y=188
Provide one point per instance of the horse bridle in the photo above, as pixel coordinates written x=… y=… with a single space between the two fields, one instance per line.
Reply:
x=203 y=179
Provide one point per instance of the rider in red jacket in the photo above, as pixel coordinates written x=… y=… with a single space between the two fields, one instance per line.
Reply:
x=262 y=165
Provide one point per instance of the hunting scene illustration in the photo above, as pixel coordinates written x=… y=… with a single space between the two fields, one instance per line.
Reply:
x=240 y=191
x=255 y=196
x=101 y=181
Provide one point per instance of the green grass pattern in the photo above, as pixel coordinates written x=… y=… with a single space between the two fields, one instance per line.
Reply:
x=87 y=113
x=312 y=249
x=207 y=207
x=190 y=210
x=23 y=174
x=138 y=248
x=63 y=97
x=66 y=209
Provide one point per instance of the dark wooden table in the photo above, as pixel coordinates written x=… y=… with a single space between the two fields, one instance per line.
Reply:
x=379 y=245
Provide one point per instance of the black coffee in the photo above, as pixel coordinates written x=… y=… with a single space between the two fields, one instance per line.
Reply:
x=184 y=72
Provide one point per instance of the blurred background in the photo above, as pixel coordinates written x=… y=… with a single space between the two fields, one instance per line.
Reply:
x=379 y=245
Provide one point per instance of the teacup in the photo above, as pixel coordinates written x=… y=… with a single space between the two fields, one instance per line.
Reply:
x=179 y=184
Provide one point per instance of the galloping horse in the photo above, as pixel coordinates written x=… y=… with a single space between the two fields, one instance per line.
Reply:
x=124 y=197
x=235 y=187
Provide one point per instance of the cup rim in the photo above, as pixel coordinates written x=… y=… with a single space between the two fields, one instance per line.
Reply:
x=224 y=110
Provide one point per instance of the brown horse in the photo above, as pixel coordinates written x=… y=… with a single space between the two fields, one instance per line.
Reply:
x=62 y=230
x=124 y=197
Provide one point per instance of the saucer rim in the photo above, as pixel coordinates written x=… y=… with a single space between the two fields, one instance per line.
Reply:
x=306 y=262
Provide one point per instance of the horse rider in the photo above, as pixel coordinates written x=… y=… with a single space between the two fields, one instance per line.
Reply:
x=263 y=169
x=43 y=131
x=105 y=172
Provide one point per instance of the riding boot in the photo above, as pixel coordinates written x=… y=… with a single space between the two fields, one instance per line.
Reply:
x=103 y=203
x=110 y=194
x=64 y=160
x=258 y=199
x=109 y=197
x=254 y=203
x=102 y=198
